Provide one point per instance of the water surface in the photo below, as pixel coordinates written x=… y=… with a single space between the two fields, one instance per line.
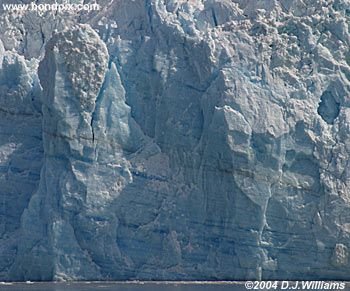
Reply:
x=123 y=286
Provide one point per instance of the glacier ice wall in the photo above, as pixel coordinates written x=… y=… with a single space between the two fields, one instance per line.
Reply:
x=176 y=140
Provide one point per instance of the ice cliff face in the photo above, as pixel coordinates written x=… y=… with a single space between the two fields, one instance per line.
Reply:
x=176 y=140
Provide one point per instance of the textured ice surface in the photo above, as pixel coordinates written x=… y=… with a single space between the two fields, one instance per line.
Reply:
x=176 y=140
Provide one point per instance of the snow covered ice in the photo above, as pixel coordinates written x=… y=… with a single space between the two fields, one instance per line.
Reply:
x=176 y=140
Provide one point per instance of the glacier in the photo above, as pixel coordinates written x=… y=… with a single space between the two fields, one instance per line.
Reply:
x=176 y=140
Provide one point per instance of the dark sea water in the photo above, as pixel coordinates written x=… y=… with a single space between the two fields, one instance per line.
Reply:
x=122 y=286
x=152 y=286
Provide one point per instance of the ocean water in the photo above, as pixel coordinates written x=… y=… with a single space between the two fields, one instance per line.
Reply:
x=162 y=286
x=123 y=286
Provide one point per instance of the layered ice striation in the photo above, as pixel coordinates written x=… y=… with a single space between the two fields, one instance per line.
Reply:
x=176 y=140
